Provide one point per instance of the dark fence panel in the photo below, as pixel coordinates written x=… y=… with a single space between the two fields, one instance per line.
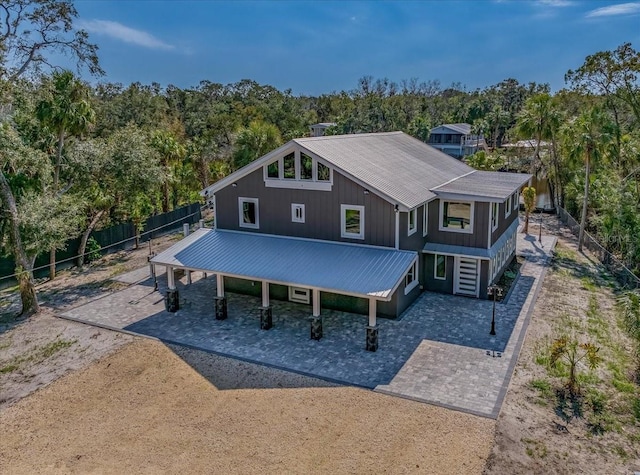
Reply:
x=111 y=239
x=623 y=275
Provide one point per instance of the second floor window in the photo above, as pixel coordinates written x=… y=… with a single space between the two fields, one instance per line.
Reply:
x=494 y=216
x=352 y=221
x=456 y=216
x=248 y=216
x=412 y=222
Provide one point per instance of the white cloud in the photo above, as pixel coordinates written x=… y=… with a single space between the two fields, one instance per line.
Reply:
x=619 y=9
x=557 y=3
x=124 y=33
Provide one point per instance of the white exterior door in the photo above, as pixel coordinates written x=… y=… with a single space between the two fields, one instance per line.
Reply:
x=466 y=278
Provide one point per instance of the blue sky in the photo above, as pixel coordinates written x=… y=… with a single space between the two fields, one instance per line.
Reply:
x=324 y=46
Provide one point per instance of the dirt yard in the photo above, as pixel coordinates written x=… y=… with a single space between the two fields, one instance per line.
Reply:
x=145 y=410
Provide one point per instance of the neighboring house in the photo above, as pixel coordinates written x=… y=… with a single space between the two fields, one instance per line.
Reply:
x=318 y=130
x=456 y=140
x=360 y=222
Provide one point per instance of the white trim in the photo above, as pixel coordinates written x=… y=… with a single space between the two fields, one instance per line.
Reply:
x=215 y=213
x=316 y=302
x=507 y=206
x=413 y=212
x=467 y=197
x=299 y=185
x=241 y=223
x=299 y=294
x=265 y=293
x=415 y=282
x=372 y=312
x=397 y=230
x=294 y=217
x=425 y=220
x=343 y=223
x=494 y=217
x=219 y=284
x=469 y=230
x=435 y=266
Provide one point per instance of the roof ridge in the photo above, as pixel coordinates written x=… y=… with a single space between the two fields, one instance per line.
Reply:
x=347 y=136
x=453 y=179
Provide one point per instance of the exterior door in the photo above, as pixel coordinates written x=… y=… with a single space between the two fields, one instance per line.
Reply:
x=466 y=278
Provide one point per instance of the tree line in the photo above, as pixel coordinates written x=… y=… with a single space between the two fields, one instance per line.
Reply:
x=76 y=157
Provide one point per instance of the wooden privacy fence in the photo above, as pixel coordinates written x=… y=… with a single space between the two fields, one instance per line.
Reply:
x=623 y=275
x=111 y=239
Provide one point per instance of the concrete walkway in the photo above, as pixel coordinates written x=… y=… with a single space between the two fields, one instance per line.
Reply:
x=439 y=351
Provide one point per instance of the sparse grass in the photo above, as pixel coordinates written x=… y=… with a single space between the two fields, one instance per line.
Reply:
x=6 y=344
x=624 y=386
x=588 y=283
x=37 y=354
x=52 y=348
x=535 y=448
x=563 y=253
x=9 y=368
x=636 y=409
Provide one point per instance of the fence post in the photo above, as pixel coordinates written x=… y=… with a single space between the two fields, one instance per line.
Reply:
x=185 y=229
x=202 y=224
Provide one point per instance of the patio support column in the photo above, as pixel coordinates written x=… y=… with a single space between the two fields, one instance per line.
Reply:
x=220 y=299
x=316 y=319
x=185 y=231
x=266 y=318
x=171 y=300
x=372 y=328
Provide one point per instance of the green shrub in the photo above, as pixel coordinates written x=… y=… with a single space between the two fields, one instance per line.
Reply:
x=92 y=251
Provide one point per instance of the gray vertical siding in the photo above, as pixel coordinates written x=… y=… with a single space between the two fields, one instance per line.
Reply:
x=433 y=284
x=416 y=241
x=503 y=223
x=484 y=279
x=480 y=233
x=322 y=210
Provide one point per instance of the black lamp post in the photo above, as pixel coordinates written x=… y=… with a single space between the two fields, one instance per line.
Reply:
x=494 y=291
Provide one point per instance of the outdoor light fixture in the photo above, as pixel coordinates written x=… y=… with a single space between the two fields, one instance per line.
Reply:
x=396 y=208
x=495 y=291
x=234 y=184
x=366 y=192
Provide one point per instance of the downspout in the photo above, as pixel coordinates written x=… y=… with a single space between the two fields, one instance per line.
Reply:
x=397 y=227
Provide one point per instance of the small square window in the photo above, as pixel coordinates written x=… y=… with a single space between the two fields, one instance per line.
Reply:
x=248 y=216
x=352 y=221
x=297 y=213
x=440 y=267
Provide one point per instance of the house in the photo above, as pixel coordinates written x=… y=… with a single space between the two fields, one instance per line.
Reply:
x=456 y=140
x=318 y=130
x=361 y=222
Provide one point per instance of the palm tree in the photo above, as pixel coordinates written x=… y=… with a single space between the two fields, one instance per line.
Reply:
x=538 y=119
x=589 y=136
x=66 y=112
x=254 y=141
x=170 y=151
x=497 y=118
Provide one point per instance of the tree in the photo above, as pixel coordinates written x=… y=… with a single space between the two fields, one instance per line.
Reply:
x=497 y=119
x=170 y=151
x=588 y=137
x=529 y=197
x=538 y=119
x=31 y=29
x=254 y=141
x=22 y=167
x=66 y=112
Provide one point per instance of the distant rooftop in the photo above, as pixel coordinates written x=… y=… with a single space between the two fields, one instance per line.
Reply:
x=464 y=129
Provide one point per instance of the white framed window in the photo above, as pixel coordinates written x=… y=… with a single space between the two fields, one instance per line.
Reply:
x=516 y=200
x=248 y=213
x=297 y=213
x=296 y=169
x=352 y=221
x=456 y=216
x=507 y=206
x=440 y=267
x=494 y=216
x=411 y=279
x=412 y=222
x=425 y=219
x=299 y=295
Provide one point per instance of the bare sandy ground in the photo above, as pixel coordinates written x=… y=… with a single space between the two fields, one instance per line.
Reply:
x=143 y=409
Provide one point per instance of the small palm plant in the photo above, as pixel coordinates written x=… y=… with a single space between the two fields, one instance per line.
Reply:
x=529 y=197
x=570 y=351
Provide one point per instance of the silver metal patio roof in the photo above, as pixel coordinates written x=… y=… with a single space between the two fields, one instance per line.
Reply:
x=483 y=185
x=358 y=270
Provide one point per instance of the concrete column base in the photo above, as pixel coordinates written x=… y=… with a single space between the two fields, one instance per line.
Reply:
x=266 y=318
x=316 y=328
x=221 y=308
x=172 y=301
x=372 y=338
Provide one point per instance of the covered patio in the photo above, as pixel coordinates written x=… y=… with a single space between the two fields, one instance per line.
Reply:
x=308 y=268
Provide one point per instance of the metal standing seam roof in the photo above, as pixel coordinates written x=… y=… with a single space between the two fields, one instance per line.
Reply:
x=462 y=128
x=491 y=185
x=479 y=252
x=358 y=270
x=398 y=165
